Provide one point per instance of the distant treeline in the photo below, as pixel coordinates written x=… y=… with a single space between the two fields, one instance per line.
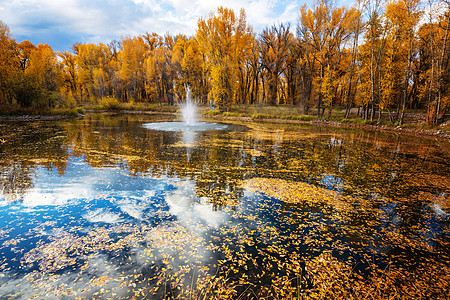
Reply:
x=377 y=55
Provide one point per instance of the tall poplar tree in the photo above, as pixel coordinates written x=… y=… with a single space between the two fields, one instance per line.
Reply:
x=224 y=41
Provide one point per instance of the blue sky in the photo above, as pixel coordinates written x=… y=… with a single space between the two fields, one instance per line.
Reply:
x=61 y=23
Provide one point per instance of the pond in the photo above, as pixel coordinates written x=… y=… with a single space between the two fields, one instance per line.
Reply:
x=108 y=207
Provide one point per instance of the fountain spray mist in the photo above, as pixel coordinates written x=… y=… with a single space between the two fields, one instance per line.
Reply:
x=189 y=109
x=190 y=125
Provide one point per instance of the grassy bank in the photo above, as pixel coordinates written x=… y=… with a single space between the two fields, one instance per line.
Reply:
x=21 y=114
x=15 y=111
x=414 y=120
x=112 y=104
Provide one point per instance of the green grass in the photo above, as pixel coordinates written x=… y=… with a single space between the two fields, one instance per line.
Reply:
x=301 y=117
x=212 y=112
x=262 y=112
x=261 y=116
x=65 y=112
x=232 y=114
x=359 y=121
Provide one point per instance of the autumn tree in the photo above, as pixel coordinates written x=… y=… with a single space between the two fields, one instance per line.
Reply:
x=403 y=17
x=245 y=43
x=224 y=41
x=426 y=69
x=69 y=86
x=312 y=29
x=443 y=65
x=373 y=57
x=275 y=45
x=292 y=73
x=8 y=64
x=307 y=57
x=255 y=73
x=352 y=77
x=159 y=70
x=43 y=65
x=94 y=71
x=132 y=71
x=25 y=49
x=43 y=69
x=190 y=67
x=323 y=32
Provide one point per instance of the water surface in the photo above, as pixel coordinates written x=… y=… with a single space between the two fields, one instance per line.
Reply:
x=104 y=207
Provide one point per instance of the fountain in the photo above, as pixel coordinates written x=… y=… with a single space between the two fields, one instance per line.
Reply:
x=189 y=123
x=188 y=110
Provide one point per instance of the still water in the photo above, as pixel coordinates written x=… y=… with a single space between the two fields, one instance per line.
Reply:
x=109 y=207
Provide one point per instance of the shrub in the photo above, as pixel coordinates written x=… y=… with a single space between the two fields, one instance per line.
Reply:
x=260 y=116
x=212 y=112
x=110 y=103
x=69 y=102
x=232 y=114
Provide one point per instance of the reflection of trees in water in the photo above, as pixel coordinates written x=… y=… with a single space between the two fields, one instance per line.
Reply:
x=386 y=184
x=358 y=164
x=15 y=180
x=29 y=146
x=213 y=170
x=386 y=181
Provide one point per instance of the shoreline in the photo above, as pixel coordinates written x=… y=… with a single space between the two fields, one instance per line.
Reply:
x=30 y=118
x=381 y=128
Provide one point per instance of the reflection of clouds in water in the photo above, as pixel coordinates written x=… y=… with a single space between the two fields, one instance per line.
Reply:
x=106 y=197
x=100 y=278
x=133 y=209
x=438 y=210
x=107 y=275
x=56 y=196
x=51 y=189
x=82 y=185
x=101 y=215
x=187 y=207
x=133 y=205
x=212 y=218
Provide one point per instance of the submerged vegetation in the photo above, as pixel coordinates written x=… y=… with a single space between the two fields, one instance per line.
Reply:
x=382 y=57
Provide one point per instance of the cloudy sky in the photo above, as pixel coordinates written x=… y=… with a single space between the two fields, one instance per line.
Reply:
x=61 y=23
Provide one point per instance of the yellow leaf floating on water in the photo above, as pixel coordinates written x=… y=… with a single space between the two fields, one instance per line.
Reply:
x=291 y=191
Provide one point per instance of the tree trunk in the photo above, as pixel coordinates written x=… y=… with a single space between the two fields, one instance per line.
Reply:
x=441 y=62
x=408 y=71
x=273 y=88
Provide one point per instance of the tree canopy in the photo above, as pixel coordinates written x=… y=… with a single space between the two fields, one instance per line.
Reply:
x=378 y=55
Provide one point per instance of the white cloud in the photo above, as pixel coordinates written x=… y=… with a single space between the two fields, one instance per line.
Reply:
x=67 y=13
x=64 y=22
